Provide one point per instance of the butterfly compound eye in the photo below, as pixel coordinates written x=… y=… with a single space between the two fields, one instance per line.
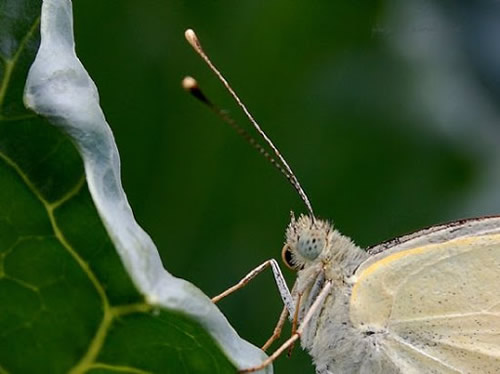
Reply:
x=310 y=246
x=287 y=257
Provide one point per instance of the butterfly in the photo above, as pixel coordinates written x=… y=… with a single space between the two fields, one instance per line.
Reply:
x=428 y=302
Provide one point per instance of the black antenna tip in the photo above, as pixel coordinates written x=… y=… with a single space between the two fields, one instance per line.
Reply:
x=191 y=85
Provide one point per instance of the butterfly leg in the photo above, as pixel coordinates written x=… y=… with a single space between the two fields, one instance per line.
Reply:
x=318 y=278
x=314 y=307
x=284 y=313
x=278 y=277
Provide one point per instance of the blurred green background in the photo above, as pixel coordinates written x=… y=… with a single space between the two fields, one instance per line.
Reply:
x=387 y=111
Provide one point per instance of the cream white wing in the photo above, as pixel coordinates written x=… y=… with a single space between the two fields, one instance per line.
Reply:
x=434 y=308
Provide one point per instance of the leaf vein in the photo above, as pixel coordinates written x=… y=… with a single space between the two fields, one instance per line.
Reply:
x=118 y=368
x=100 y=335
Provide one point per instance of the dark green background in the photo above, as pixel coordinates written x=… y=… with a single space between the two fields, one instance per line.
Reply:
x=387 y=111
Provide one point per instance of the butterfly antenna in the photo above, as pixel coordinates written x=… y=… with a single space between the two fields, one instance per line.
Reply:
x=195 y=43
x=191 y=85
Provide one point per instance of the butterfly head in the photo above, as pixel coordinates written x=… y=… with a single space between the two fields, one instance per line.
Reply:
x=306 y=241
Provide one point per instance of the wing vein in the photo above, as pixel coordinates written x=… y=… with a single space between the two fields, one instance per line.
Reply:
x=400 y=341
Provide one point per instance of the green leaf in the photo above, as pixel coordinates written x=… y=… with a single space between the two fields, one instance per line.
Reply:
x=82 y=287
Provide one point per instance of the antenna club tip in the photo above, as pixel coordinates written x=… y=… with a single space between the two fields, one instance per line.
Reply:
x=191 y=37
x=189 y=83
